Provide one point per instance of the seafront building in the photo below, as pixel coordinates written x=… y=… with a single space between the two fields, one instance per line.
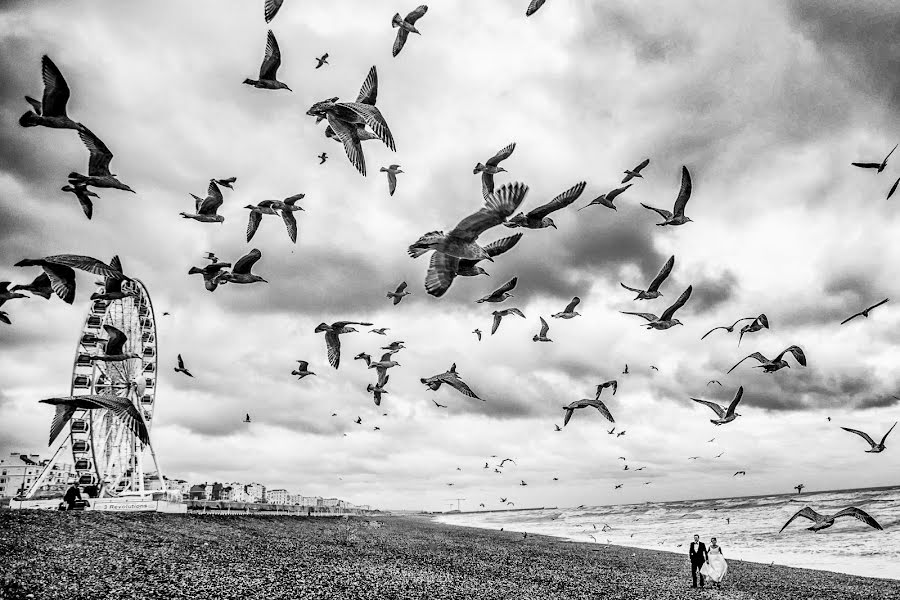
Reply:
x=278 y=496
x=19 y=471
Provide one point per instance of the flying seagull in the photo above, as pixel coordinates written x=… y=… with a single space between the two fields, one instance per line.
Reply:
x=322 y=60
x=405 y=26
x=347 y=121
x=392 y=177
x=736 y=473
x=728 y=328
x=608 y=384
x=879 y=166
x=112 y=285
x=585 y=403
x=84 y=196
x=491 y=167
x=396 y=346
x=875 y=447
x=443 y=269
x=569 y=311
x=770 y=366
x=538 y=217
x=98 y=165
x=322 y=158
x=452 y=379
x=501 y=293
x=50 y=111
x=241 y=271
x=893 y=189
x=181 y=368
x=39 y=287
x=377 y=389
x=652 y=290
x=666 y=320
x=478 y=333
x=499 y=314
x=460 y=241
x=333 y=342
x=635 y=172
x=826 y=521
x=865 y=312
x=227 y=182
x=799 y=487
x=122 y=408
x=206 y=208
x=445 y=406
x=302 y=369
x=684 y=194
x=271 y=8
x=59 y=269
x=716 y=381
x=287 y=207
x=380 y=330
x=210 y=274
x=607 y=198
x=761 y=322
x=115 y=347
x=269 y=68
x=397 y=295
x=365 y=357
x=726 y=415
x=542 y=336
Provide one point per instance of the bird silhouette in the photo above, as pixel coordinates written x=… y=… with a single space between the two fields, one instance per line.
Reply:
x=268 y=70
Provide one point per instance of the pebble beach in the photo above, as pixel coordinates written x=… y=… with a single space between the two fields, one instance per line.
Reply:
x=98 y=555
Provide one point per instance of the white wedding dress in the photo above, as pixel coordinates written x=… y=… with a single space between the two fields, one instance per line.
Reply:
x=715 y=567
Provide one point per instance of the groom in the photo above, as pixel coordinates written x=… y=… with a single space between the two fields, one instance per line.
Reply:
x=698 y=556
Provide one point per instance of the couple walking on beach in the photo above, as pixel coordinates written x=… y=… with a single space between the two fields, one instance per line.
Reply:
x=708 y=563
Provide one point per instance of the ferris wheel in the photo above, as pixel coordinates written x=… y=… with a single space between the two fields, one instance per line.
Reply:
x=105 y=451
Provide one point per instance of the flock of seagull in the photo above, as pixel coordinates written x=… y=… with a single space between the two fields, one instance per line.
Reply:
x=456 y=252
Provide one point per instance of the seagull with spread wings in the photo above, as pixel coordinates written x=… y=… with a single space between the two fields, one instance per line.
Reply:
x=98 y=165
x=392 y=177
x=542 y=336
x=122 y=408
x=452 y=379
x=607 y=198
x=268 y=70
x=397 y=295
x=240 y=273
x=878 y=166
x=875 y=447
x=287 y=207
x=666 y=320
x=205 y=209
x=210 y=273
x=443 y=268
x=50 y=111
x=378 y=388
x=84 y=195
x=181 y=368
x=60 y=270
x=728 y=328
x=612 y=383
x=684 y=194
x=826 y=521
x=585 y=403
x=652 y=290
x=778 y=363
x=332 y=339
x=569 y=311
x=635 y=172
x=491 y=167
x=538 y=217
x=405 y=26
x=115 y=347
x=501 y=293
x=499 y=314
x=725 y=415
x=347 y=121
x=112 y=284
x=322 y=60
x=865 y=312
x=40 y=286
x=477 y=332
x=461 y=242
x=759 y=323
x=302 y=369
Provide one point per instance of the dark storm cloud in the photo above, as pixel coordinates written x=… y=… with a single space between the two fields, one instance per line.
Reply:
x=884 y=401
x=708 y=293
x=858 y=40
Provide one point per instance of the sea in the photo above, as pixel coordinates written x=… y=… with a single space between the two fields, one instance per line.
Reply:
x=746 y=528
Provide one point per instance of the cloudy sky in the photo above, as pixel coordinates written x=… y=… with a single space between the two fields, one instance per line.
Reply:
x=766 y=103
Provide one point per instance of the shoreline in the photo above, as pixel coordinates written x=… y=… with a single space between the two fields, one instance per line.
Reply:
x=91 y=555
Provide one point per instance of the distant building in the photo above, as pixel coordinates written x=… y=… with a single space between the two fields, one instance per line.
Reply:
x=152 y=483
x=256 y=492
x=311 y=500
x=199 y=492
x=332 y=503
x=277 y=496
x=238 y=492
x=20 y=470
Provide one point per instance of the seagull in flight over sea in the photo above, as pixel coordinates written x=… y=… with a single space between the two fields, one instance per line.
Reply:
x=875 y=447
x=569 y=311
x=726 y=415
x=770 y=366
x=50 y=111
x=826 y=521
x=269 y=68
x=865 y=312
x=585 y=403
x=405 y=26
x=332 y=339
x=666 y=320
x=491 y=168
x=879 y=166
x=728 y=328
x=652 y=290
x=538 y=217
x=452 y=379
x=684 y=194
x=499 y=314
x=636 y=172
x=607 y=198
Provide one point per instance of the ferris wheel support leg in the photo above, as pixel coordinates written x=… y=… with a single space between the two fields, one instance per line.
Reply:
x=159 y=470
x=61 y=442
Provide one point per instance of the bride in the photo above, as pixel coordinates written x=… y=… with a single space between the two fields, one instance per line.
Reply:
x=715 y=567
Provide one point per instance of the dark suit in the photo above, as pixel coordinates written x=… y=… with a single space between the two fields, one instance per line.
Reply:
x=698 y=557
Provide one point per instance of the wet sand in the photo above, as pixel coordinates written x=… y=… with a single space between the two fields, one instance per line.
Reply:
x=98 y=555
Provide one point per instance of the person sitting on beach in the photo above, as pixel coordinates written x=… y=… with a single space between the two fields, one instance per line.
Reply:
x=73 y=494
x=697 y=554
x=715 y=567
